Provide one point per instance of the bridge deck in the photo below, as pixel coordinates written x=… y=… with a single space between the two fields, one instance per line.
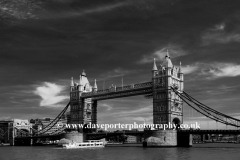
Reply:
x=39 y=137
x=118 y=92
x=209 y=131
x=107 y=134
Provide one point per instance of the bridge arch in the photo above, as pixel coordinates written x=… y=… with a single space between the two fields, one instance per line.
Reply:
x=176 y=121
x=87 y=128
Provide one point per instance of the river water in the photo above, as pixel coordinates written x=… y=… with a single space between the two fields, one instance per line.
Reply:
x=198 y=152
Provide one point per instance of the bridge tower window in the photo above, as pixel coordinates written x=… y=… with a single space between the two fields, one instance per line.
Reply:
x=88 y=115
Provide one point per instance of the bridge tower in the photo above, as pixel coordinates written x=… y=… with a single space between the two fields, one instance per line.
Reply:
x=82 y=111
x=167 y=106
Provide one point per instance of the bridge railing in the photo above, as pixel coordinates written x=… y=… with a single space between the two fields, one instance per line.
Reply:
x=119 y=89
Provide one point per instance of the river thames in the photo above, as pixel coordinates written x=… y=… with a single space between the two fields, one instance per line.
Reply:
x=198 y=152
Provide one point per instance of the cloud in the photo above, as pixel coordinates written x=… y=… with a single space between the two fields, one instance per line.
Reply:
x=19 y=9
x=217 y=90
x=225 y=70
x=104 y=8
x=173 y=50
x=49 y=93
x=212 y=70
x=25 y=9
x=217 y=34
x=188 y=69
x=118 y=72
x=143 y=114
x=5 y=118
x=146 y=119
x=220 y=38
x=219 y=27
x=139 y=111
x=81 y=11
x=106 y=106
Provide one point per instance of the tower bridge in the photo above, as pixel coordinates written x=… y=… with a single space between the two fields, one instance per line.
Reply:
x=165 y=87
x=167 y=106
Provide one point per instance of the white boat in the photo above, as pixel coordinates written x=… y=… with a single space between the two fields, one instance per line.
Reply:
x=88 y=144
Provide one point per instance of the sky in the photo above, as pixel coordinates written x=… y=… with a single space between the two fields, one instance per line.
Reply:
x=43 y=43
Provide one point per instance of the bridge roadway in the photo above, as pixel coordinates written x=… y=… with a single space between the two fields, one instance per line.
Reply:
x=39 y=137
x=141 y=133
x=209 y=131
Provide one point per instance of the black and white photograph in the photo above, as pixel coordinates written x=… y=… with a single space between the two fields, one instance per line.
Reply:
x=119 y=79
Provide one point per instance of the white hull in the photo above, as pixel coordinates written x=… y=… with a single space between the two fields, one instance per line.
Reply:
x=90 y=144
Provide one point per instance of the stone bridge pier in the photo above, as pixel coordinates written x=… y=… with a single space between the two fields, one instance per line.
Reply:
x=166 y=138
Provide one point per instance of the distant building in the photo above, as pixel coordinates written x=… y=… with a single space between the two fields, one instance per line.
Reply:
x=133 y=139
x=12 y=128
x=39 y=124
x=5 y=126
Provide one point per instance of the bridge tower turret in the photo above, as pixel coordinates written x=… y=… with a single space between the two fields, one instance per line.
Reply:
x=95 y=86
x=167 y=106
x=72 y=84
x=154 y=70
x=80 y=87
x=180 y=74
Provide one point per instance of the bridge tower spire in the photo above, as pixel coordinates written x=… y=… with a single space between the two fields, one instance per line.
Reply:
x=83 y=73
x=154 y=69
x=80 y=87
x=72 y=84
x=180 y=74
x=95 y=86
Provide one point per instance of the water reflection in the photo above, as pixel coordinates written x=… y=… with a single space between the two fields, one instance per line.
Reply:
x=206 y=152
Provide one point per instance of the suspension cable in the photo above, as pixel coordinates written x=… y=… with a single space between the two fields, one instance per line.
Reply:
x=204 y=107
x=53 y=122
x=207 y=114
x=207 y=111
